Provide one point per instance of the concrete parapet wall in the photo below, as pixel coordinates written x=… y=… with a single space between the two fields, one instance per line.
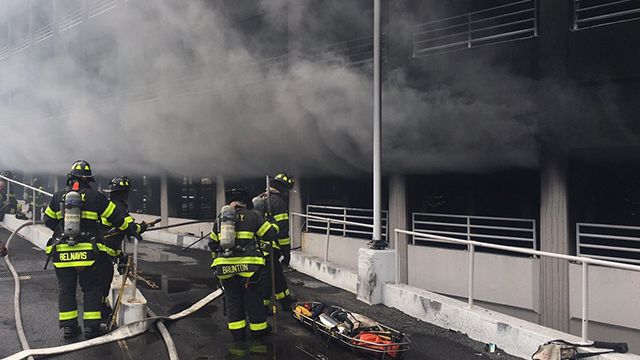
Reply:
x=607 y=294
x=446 y=271
x=333 y=274
x=342 y=251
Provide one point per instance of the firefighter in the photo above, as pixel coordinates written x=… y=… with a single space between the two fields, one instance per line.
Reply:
x=279 y=197
x=275 y=205
x=118 y=191
x=239 y=263
x=74 y=214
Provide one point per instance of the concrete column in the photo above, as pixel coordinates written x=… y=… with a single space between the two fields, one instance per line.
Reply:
x=295 y=222
x=164 y=201
x=220 y=196
x=398 y=218
x=554 y=237
x=375 y=268
x=54 y=183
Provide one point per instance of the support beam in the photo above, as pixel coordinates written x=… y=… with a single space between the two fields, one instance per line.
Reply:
x=164 y=201
x=554 y=237
x=220 y=196
x=377 y=126
x=398 y=218
x=295 y=222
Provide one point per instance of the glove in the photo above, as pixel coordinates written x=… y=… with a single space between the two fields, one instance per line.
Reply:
x=3 y=250
x=286 y=259
x=214 y=246
x=132 y=231
x=122 y=263
x=143 y=227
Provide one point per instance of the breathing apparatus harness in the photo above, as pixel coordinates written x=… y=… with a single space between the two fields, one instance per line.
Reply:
x=228 y=245
x=71 y=204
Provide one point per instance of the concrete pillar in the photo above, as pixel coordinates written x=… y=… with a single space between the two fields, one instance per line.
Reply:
x=164 y=201
x=295 y=222
x=375 y=268
x=54 y=183
x=220 y=197
x=398 y=219
x=554 y=237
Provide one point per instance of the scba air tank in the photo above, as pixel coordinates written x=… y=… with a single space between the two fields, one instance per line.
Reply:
x=72 y=214
x=228 y=216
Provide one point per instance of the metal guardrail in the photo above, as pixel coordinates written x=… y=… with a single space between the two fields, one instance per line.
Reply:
x=594 y=13
x=471 y=245
x=351 y=221
x=348 y=53
x=33 y=197
x=608 y=242
x=501 y=230
x=515 y=21
x=328 y=228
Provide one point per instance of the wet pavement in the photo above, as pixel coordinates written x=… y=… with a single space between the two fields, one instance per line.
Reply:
x=183 y=278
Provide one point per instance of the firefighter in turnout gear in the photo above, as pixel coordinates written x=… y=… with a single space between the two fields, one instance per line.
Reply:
x=238 y=262
x=74 y=214
x=276 y=209
x=118 y=191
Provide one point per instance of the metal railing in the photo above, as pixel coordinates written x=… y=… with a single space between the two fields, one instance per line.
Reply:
x=97 y=7
x=351 y=219
x=594 y=13
x=70 y=19
x=328 y=229
x=501 y=230
x=515 y=21
x=348 y=53
x=33 y=195
x=471 y=245
x=608 y=242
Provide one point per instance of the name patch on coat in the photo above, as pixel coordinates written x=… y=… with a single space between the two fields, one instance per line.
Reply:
x=234 y=269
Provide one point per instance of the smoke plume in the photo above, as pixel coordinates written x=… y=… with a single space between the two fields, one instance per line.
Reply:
x=202 y=88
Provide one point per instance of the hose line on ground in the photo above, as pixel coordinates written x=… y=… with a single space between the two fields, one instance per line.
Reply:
x=168 y=340
x=124 y=332
x=16 y=291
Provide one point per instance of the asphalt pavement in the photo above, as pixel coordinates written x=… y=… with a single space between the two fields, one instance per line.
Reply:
x=184 y=277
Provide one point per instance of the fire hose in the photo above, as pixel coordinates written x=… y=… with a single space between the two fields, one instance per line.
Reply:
x=124 y=332
x=155 y=228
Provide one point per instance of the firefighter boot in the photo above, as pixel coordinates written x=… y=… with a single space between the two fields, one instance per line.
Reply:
x=70 y=332
x=92 y=332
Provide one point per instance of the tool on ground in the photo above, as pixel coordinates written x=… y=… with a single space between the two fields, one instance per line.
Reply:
x=273 y=273
x=564 y=350
x=308 y=351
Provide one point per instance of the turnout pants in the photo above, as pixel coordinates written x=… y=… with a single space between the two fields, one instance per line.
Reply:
x=282 y=289
x=91 y=285
x=244 y=296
